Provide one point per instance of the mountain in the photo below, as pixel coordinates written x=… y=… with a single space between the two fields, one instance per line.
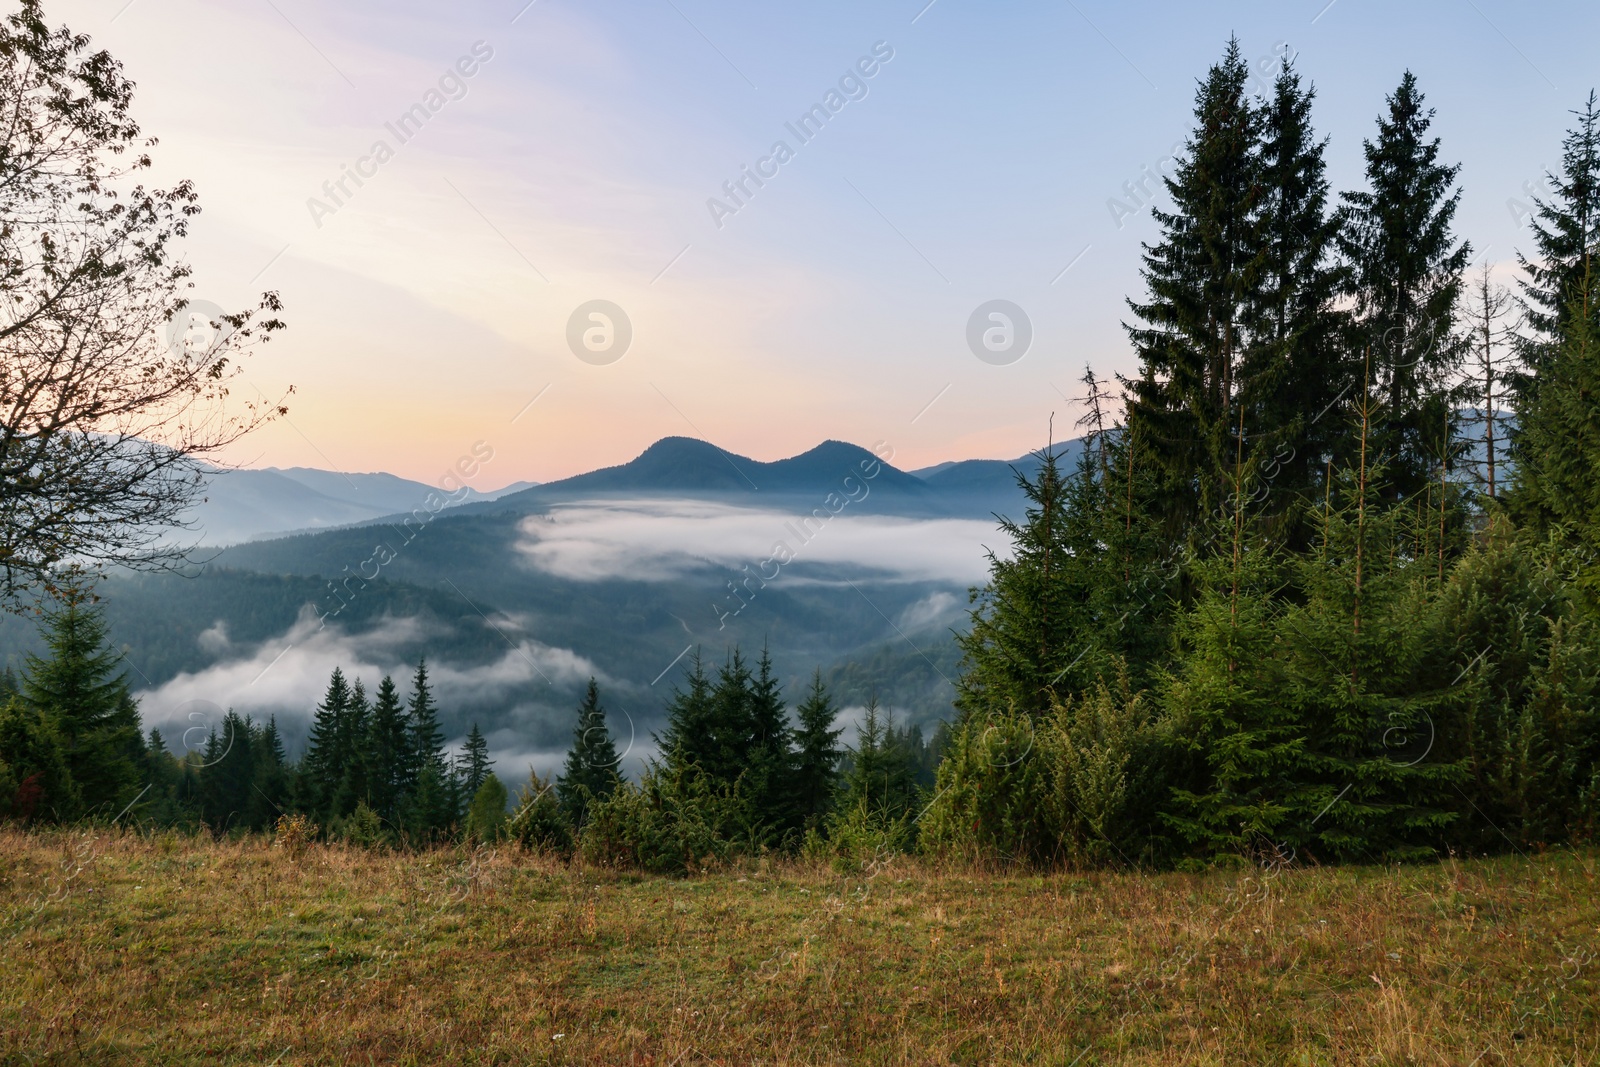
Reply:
x=243 y=505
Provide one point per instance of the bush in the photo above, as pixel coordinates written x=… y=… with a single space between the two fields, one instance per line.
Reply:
x=665 y=824
x=540 y=824
x=293 y=833
x=362 y=828
x=486 y=817
x=1077 y=784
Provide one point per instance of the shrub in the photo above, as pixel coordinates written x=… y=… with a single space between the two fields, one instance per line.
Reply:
x=539 y=823
x=486 y=817
x=362 y=828
x=665 y=823
x=293 y=833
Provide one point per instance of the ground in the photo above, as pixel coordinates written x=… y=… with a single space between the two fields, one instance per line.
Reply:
x=118 y=947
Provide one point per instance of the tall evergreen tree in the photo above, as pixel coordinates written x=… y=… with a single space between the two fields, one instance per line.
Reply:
x=686 y=742
x=474 y=763
x=435 y=803
x=1406 y=277
x=322 y=769
x=769 y=767
x=269 y=793
x=817 y=755
x=882 y=777
x=591 y=772
x=1202 y=277
x=1296 y=368
x=1566 y=241
x=388 y=747
x=352 y=753
x=80 y=690
x=228 y=773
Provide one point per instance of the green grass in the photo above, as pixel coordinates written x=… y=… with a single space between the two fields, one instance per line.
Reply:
x=120 y=948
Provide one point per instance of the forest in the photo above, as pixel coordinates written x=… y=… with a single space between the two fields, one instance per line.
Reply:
x=1321 y=585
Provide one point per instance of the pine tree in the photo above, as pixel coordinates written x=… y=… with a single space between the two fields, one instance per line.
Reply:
x=388 y=748
x=486 y=816
x=882 y=778
x=817 y=755
x=435 y=801
x=769 y=767
x=322 y=769
x=685 y=745
x=1028 y=622
x=1566 y=239
x=591 y=772
x=227 y=774
x=1406 y=277
x=89 y=704
x=35 y=782
x=1295 y=370
x=269 y=793
x=1558 y=444
x=1202 y=277
x=352 y=753
x=474 y=762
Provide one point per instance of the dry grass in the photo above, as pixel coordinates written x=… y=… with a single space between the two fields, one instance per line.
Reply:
x=119 y=948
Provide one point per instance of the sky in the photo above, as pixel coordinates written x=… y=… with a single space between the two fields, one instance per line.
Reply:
x=993 y=153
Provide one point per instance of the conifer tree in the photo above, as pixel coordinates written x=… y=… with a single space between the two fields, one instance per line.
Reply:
x=1406 y=277
x=1202 y=278
x=322 y=769
x=352 y=753
x=474 y=763
x=591 y=772
x=435 y=800
x=769 y=767
x=37 y=784
x=881 y=780
x=1566 y=240
x=228 y=773
x=1296 y=367
x=1558 y=444
x=269 y=797
x=817 y=755
x=87 y=700
x=686 y=743
x=388 y=748
x=486 y=816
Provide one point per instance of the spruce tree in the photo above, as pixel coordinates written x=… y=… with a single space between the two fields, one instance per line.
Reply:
x=388 y=748
x=882 y=778
x=1028 y=621
x=686 y=742
x=1296 y=368
x=227 y=774
x=352 y=753
x=269 y=795
x=37 y=783
x=817 y=755
x=1202 y=278
x=322 y=768
x=474 y=762
x=1406 y=278
x=79 y=690
x=1566 y=240
x=435 y=803
x=486 y=817
x=591 y=771
x=1555 y=487
x=769 y=767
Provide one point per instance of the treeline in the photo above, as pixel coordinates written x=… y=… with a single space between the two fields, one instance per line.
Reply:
x=374 y=771
x=737 y=774
x=1314 y=595
x=737 y=771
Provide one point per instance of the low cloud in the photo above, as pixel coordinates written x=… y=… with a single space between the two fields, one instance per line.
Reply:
x=288 y=675
x=650 y=540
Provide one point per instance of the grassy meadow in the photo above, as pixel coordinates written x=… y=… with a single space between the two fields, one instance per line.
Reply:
x=169 y=949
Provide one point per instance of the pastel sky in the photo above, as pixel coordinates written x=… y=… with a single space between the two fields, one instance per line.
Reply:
x=429 y=306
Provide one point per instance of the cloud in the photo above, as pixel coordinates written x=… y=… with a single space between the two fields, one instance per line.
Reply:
x=936 y=609
x=656 y=540
x=287 y=676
